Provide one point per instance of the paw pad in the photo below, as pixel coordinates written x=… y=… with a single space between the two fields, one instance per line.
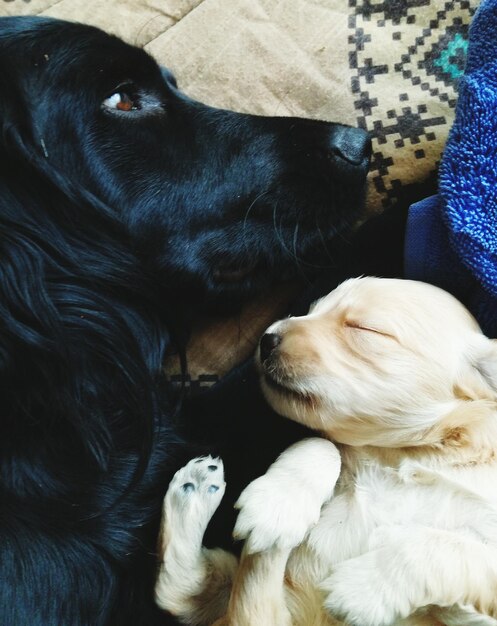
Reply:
x=196 y=491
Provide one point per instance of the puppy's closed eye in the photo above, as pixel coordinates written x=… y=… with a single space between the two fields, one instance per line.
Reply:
x=367 y=328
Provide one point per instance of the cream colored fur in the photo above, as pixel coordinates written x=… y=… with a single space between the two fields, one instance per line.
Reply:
x=391 y=517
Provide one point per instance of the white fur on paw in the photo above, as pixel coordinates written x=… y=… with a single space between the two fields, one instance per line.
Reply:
x=359 y=594
x=195 y=493
x=273 y=514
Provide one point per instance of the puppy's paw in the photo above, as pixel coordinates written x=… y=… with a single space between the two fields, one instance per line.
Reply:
x=194 y=494
x=275 y=514
x=359 y=594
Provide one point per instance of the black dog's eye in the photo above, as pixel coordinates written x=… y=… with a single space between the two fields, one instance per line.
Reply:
x=127 y=99
x=121 y=101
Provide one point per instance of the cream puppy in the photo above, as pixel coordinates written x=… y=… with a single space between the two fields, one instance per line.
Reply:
x=390 y=517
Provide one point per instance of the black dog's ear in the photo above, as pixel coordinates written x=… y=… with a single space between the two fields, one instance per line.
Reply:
x=74 y=304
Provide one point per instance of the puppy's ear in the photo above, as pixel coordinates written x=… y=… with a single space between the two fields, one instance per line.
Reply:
x=479 y=380
x=487 y=363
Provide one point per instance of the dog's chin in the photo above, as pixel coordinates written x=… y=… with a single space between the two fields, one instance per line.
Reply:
x=277 y=386
x=284 y=397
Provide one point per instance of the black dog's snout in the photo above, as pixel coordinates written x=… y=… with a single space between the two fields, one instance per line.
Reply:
x=351 y=144
x=269 y=342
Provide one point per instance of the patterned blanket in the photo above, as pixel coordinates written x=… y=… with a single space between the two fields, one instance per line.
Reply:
x=452 y=237
x=406 y=61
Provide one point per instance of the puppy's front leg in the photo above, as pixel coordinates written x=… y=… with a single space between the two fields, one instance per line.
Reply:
x=193 y=583
x=279 y=508
x=276 y=511
x=258 y=594
x=411 y=568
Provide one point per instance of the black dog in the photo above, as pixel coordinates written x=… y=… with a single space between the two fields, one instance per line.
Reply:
x=122 y=204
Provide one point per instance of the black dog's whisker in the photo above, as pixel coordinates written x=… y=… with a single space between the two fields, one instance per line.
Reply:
x=286 y=247
x=245 y=238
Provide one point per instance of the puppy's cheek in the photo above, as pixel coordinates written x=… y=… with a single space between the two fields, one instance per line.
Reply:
x=301 y=409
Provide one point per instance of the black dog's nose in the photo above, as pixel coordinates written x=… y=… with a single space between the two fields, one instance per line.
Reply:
x=269 y=342
x=351 y=144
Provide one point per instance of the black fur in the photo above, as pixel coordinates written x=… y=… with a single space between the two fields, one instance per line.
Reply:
x=113 y=225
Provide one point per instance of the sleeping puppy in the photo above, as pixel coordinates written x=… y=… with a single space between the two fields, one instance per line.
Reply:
x=393 y=523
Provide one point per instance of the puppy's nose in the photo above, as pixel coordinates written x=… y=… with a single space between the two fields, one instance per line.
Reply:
x=269 y=342
x=351 y=144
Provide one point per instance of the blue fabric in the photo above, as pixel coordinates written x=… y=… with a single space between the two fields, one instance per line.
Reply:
x=430 y=257
x=451 y=239
x=428 y=254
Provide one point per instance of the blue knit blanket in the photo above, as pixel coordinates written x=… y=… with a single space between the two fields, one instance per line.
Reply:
x=451 y=238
